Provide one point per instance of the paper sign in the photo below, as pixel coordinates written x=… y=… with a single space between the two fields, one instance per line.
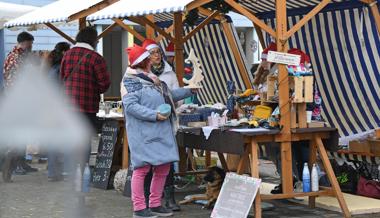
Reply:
x=236 y=197
x=284 y=58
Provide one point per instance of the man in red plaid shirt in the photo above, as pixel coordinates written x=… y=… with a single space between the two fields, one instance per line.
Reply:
x=85 y=77
x=84 y=72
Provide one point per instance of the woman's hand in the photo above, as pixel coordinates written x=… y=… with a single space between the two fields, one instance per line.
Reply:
x=161 y=117
x=194 y=91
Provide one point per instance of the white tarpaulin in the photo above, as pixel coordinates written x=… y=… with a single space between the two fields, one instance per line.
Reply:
x=10 y=11
x=132 y=8
x=58 y=11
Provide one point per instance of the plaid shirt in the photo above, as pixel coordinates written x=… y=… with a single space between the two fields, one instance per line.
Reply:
x=84 y=82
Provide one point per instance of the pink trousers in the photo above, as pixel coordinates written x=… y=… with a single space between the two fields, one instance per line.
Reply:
x=156 y=188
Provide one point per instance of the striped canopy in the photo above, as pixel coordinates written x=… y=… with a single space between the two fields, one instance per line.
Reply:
x=219 y=65
x=344 y=48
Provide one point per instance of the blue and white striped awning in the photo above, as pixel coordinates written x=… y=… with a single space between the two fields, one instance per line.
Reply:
x=218 y=63
x=134 y=8
x=58 y=11
x=344 y=47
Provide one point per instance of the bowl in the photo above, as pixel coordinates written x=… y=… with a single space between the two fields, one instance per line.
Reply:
x=165 y=110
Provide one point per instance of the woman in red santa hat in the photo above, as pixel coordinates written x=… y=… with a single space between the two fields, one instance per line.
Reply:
x=165 y=73
x=151 y=134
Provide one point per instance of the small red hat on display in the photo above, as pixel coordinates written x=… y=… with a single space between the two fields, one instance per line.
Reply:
x=305 y=59
x=136 y=55
x=169 y=51
x=271 y=47
x=149 y=44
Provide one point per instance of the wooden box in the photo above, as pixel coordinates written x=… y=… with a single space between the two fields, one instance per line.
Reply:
x=303 y=88
x=271 y=84
x=375 y=146
x=377 y=133
x=315 y=124
x=360 y=146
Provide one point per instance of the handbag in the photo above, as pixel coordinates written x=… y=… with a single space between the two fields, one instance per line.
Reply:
x=368 y=188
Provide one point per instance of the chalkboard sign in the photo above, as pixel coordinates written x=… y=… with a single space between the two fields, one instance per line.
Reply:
x=236 y=197
x=103 y=164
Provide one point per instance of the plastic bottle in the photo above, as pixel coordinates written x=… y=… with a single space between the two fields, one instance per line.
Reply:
x=306 y=178
x=86 y=179
x=314 y=179
x=78 y=179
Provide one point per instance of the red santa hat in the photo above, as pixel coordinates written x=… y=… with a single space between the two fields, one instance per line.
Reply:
x=271 y=47
x=305 y=59
x=149 y=44
x=136 y=55
x=169 y=51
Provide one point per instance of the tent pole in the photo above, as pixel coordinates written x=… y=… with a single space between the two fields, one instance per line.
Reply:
x=107 y=30
x=283 y=83
x=201 y=25
x=144 y=21
x=376 y=14
x=149 y=29
x=82 y=23
x=178 y=45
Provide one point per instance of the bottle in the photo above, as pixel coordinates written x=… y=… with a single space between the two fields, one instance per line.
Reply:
x=86 y=179
x=314 y=179
x=306 y=178
x=78 y=179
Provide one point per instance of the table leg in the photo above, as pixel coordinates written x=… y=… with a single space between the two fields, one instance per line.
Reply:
x=208 y=159
x=332 y=177
x=182 y=159
x=255 y=174
x=286 y=167
x=243 y=161
x=223 y=162
x=312 y=160
x=125 y=150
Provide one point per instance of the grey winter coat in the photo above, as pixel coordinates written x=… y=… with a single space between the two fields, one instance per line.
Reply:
x=151 y=142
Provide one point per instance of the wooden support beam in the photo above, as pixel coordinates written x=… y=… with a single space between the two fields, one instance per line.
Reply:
x=97 y=7
x=107 y=30
x=234 y=47
x=55 y=29
x=178 y=47
x=260 y=35
x=129 y=29
x=207 y=12
x=242 y=10
x=144 y=21
x=200 y=26
x=149 y=29
x=300 y=194
x=82 y=23
x=197 y=4
x=255 y=174
x=169 y=30
x=331 y=175
x=306 y=19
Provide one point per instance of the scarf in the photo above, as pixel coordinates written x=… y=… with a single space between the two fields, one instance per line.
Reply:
x=158 y=70
x=163 y=89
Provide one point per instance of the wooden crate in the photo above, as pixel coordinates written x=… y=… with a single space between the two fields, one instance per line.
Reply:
x=303 y=88
x=360 y=146
x=271 y=84
x=315 y=124
x=375 y=146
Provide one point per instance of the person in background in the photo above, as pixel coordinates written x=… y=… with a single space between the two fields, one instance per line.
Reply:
x=169 y=53
x=165 y=73
x=56 y=158
x=151 y=135
x=160 y=67
x=85 y=77
x=55 y=58
x=15 y=159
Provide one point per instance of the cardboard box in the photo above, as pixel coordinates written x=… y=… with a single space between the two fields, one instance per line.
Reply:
x=360 y=146
x=375 y=146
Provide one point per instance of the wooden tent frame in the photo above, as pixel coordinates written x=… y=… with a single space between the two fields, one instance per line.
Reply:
x=282 y=35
